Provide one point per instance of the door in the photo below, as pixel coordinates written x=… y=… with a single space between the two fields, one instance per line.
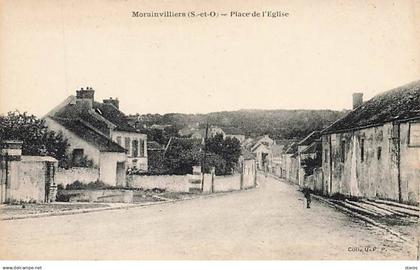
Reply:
x=121 y=174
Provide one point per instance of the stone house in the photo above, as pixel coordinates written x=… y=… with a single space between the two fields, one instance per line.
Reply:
x=374 y=151
x=289 y=165
x=100 y=132
x=261 y=148
x=306 y=148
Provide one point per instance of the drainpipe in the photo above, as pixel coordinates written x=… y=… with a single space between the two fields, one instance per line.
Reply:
x=399 y=163
x=330 y=161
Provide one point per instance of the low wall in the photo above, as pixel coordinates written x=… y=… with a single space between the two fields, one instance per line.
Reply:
x=107 y=196
x=27 y=181
x=227 y=183
x=84 y=175
x=173 y=183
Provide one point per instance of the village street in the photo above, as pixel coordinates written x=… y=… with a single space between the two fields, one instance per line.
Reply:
x=269 y=222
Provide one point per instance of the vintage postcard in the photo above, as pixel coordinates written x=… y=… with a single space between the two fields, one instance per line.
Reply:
x=209 y=130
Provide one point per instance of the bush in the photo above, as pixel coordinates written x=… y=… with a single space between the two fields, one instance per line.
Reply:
x=77 y=185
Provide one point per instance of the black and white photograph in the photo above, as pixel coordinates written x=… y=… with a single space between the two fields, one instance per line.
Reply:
x=140 y=130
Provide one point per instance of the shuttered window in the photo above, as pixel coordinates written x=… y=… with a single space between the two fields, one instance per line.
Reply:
x=414 y=134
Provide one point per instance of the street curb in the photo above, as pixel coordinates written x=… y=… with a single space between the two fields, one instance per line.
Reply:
x=343 y=209
x=364 y=218
x=128 y=206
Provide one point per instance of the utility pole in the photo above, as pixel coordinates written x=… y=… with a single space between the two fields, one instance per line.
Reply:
x=203 y=163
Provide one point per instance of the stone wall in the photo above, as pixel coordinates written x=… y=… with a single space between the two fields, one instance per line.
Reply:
x=374 y=162
x=84 y=175
x=173 y=183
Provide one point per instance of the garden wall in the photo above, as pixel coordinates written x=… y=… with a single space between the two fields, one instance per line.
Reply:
x=84 y=175
x=173 y=183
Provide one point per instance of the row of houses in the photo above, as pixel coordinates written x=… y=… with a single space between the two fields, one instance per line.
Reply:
x=372 y=152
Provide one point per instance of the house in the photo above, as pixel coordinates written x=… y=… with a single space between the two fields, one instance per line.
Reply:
x=374 y=151
x=304 y=150
x=211 y=132
x=236 y=133
x=290 y=163
x=261 y=148
x=101 y=133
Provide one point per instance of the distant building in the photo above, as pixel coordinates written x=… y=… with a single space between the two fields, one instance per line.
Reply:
x=261 y=148
x=374 y=151
x=101 y=133
x=211 y=132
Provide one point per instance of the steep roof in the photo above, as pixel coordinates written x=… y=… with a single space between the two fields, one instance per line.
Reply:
x=292 y=149
x=88 y=134
x=102 y=116
x=310 y=138
x=397 y=104
x=154 y=146
x=183 y=141
x=314 y=147
x=113 y=115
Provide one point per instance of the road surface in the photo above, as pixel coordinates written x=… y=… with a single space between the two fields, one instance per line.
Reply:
x=270 y=222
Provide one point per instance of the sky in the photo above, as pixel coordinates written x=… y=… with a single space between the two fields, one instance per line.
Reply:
x=313 y=59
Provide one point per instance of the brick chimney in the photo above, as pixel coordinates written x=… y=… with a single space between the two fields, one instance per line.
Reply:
x=112 y=101
x=357 y=100
x=85 y=96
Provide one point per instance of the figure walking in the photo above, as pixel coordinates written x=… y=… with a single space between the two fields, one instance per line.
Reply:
x=307 y=193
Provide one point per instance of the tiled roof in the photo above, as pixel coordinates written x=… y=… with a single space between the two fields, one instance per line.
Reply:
x=89 y=135
x=397 y=104
x=314 y=135
x=113 y=115
x=154 y=146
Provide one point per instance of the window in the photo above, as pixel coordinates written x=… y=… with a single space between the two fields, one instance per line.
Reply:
x=141 y=147
x=326 y=155
x=362 y=150
x=379 y=152
x=414 y=134
x=127 y=145
x=77 y=156
x=135 y=148
x=119 y=140
x=343 y=150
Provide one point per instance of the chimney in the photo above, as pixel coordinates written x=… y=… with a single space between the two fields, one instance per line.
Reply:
x=112 y=101
x=85 y=96
x=357 y=100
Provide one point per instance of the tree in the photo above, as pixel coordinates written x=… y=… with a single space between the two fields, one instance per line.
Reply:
x=182 y=155
x=309 y=164
x=228 y=149
x=37 y=139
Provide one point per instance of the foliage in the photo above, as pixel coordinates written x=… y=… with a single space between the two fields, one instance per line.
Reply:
x=229 y=150
x=182 y=155
x=309 y=164
x=216 y=161
x=278 y=124
x=156 y=163
x=77 y=185
x=37 y=139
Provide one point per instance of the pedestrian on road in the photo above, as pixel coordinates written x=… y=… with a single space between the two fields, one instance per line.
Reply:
x=307 y=193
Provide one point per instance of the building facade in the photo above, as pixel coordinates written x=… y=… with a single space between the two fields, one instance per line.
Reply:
x=99 y=132
x=374 y=151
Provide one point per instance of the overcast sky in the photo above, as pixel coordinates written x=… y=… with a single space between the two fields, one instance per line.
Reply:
x=313 y=59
